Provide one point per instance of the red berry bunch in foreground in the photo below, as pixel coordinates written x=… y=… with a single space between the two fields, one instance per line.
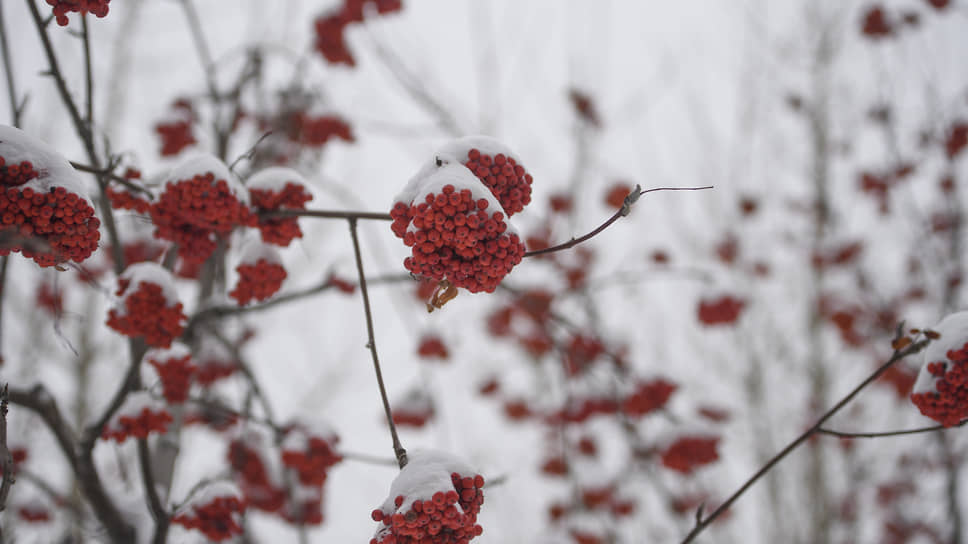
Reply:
x=175 y=371
x=507 y=180
x=148 y=306
x=218 y=516
x=259 y=280
x=193 y=211
x=63 y=7
x=428 y=505
x=267 y=194
x=947 y=402
x=50 y=226
x=456 y=236
x=139 y=416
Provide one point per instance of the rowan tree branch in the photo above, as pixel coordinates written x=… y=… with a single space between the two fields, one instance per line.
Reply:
x=933 y=428
x=703 y=521
x=398 y=449
x=38 y=400
x=328 y=214
x=6 y=458
x=16 y=110
x=622 y=212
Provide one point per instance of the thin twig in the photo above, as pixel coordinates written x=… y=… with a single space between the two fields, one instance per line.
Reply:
x=6 y=458
x=933 y=428
x=371 y=344
x=109 y=174
x=3 y=284
x=15 y=110
x=328 y=214
x=88 y=73
x=369 y=459
x=703 y=522
x=622 y=212
x=198 y=38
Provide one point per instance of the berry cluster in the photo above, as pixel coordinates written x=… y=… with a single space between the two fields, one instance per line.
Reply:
x=192 y=212
x=648 y=397
x=259 y=281
x=947 y=401
x=12 y=175
x=414 y=410
x=432 y=347
x=175 y=372
x=50 y=298
x=176 y=132
x=137 y=417
x=313 y=461
x=454 y=237
x=146 y=308
x=507 y=180
x=63 y=7
x=331 y=28
x=318 y=131
x=722 y=311
x=217 y=519
x=293 y=196
x=448 y=517
x=49 y=227
x=123 y=199
x=252 y=476
x=689 y=452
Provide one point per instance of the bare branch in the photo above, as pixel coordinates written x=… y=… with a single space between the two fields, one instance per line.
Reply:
x=625 y=209
x=329 y=214
x=931 y=429
x=6 y=458
x=16 y=110
x=398 y=449
x=815 y=428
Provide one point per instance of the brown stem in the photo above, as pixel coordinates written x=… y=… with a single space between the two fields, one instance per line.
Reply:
x=625 y=209
x=371 y=344
x=843 y=434
x=16 y=110
x=109 y=174
x=6 y=458
x=329 y=214
x=39 y=400
x=88 y=73
x=155 y=506
x=703 y=521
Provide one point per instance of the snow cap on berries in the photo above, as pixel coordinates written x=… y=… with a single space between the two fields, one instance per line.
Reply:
x=43 y=199
x=457 y=229
x=437 y=488
x=941 y=389
x=493 y=163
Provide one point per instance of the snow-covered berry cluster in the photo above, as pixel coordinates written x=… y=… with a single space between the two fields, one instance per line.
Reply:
x=216 y=513
x=148 y=305
x=175 y=369
x=213 y=360
x=456 y=229
x=258 y=488
x=201 y=202
x=62 y=7
x=260 y=274
x=941 y=390
x=43 y=214
x=414 y=410
x=175 y=131
x=138 y=416
x=310 y=453
x=434 y=500
x=273 y=189
x=331 y=27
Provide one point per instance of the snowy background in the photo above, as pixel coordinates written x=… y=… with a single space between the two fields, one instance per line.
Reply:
x=689 y=93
